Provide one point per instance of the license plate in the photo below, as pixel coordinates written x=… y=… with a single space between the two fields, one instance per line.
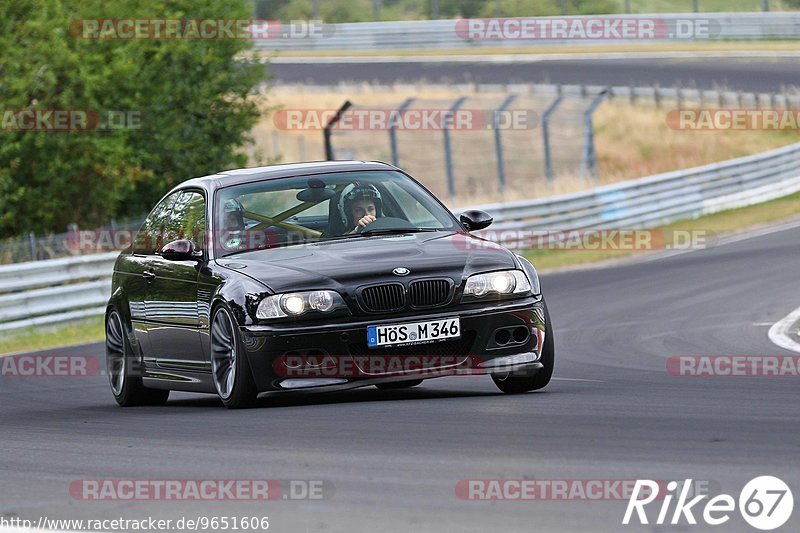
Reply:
x=413 y=333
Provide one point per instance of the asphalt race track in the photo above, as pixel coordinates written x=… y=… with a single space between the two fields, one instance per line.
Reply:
x=393 y=459
x=745 y=74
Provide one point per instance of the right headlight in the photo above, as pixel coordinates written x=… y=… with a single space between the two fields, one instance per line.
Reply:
x=504 y=282
x=299 y=303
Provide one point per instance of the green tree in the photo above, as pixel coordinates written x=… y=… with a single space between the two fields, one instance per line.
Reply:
x=192 y=97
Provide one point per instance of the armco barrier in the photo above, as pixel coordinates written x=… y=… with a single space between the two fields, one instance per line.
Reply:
x=62 y=289
x=445 y=34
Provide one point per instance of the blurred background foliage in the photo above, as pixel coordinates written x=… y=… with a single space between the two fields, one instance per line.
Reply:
x=368 y=10
x=191 y=98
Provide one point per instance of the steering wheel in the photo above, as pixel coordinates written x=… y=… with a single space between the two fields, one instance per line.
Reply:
x=387 y=223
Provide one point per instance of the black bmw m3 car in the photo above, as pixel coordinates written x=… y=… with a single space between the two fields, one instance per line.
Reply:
x=323 y=276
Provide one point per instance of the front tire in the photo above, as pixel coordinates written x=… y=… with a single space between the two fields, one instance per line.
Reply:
x=511 y=384
x=229 y=369
x=126 y=386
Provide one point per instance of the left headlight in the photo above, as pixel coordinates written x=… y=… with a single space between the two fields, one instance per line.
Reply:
x=504 y=282
x=299 y=303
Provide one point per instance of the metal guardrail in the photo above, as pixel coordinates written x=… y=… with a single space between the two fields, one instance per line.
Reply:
x=46 y=292
x=662 y=198
x=449 y=34
x=55 y=290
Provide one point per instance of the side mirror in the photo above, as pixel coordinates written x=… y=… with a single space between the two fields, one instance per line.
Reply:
x=475 y=219
x=181 y=250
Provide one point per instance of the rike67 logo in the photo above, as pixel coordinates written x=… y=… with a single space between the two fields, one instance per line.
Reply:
x=766 y=503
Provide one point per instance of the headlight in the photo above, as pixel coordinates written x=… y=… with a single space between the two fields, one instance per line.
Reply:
x=299 y=303
x=503 y=282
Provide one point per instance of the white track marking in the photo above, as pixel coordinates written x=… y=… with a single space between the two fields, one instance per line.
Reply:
x=577 y=379
x=780 y=333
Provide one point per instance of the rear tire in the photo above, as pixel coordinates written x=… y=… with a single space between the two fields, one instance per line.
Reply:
x=230 y=371
x=124 y=378
x=399 y=384
x=511 y=384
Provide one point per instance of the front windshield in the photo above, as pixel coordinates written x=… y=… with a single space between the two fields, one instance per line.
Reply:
x=303 y=209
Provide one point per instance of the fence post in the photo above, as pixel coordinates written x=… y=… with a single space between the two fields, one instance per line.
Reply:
x=326 y=133
x=589 y=163
x=548 y=159
x=498 y=142
x=448 y=155
x=32 y=242
x=765 y=5
x=393 y=130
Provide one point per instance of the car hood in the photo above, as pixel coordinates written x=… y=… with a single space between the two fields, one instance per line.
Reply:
x=346 y=264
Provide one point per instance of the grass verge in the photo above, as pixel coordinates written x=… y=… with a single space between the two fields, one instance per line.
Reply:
x=41 y=338
x=717 y=224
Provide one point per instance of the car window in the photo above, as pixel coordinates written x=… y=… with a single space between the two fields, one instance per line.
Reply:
x=149 y=238
x=413 y=210
x=180 y=215
x=190 y=218
x=302 y=209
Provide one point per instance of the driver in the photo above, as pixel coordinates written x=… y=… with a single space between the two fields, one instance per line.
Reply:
x=360 y=205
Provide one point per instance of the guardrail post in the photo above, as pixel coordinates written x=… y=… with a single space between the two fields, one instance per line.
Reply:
x=393 y=130
x=327 y=131
x=765 y=5
x=589 y=160
x=498 y=143
x=448 y=155
x=548 y=158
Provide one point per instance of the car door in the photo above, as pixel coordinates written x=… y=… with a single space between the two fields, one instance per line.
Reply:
x=171 y=301
x=137 y=269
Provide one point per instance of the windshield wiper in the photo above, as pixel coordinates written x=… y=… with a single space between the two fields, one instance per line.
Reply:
x=390 y=231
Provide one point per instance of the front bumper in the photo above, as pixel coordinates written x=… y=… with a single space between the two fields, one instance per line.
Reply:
x=287 y=356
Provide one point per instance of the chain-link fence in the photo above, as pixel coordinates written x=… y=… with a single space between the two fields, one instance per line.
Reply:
x=75 y=241
x=477 y=145
x=502 y=146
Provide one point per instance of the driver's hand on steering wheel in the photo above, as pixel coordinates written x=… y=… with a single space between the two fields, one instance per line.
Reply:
x=369 y=219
